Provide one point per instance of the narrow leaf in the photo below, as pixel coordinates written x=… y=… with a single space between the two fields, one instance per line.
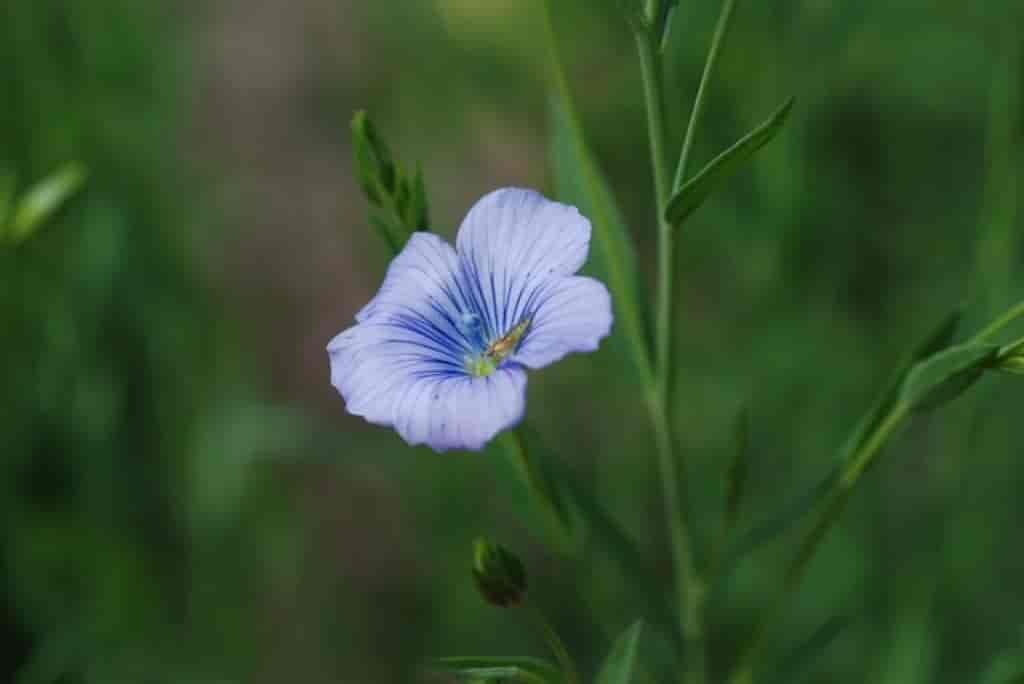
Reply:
x=944 y=376
x=44 y=199
x=500 y=668
x=799 y=662
x=579 y=181
x=621 y=661
x=694 y=191
x=939 y=339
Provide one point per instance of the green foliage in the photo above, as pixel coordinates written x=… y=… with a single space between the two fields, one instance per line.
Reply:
x=40 y=202
x=620 y=663
x=501 y=669
x=697 y=189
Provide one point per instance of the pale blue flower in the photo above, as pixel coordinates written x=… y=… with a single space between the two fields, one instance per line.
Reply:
x=441 y=352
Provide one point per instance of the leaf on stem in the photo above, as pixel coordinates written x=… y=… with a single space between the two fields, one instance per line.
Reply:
x=694 y=191
x=945 y=375
x=939 y=339
x=579 y=181
x=619 y=665
x=499 y=668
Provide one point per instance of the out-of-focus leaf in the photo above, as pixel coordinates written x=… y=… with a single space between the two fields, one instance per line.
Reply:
x=736 y=477
x=388 y=232
x=1005 y=669
x=587 y=516
x=774 y=526
x=944 y=376
x=579 y=181
x=800 y=660
x=44 y=199
x=6 y=199
x=618 y=666
x=721 y=168
x=420 y=205
x=500 y=668
x=535 y=466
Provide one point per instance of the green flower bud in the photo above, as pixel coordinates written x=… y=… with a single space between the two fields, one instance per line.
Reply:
x=498 y=573
x=375 y=169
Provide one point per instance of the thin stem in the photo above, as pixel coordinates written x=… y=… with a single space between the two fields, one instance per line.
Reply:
x=650 y=69
x=832 y=509
x=688 y=586
x=995 y=326
x=554 y=642
x=539 y=486
x=721 y=30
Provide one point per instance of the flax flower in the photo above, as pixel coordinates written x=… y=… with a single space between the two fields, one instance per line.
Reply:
x=440 y=353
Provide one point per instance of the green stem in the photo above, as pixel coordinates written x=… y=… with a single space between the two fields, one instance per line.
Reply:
x=688 y=586
x=995 y=326
x=554 y=642
x=650 y=69
x=721 y=29
x=833 y=508
x=540 y=487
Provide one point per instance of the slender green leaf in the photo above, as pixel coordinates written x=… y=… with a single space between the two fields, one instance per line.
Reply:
x=800 y=660
x=939 y=339
x=621 y=661
x=944 y=376
x=500 y=668
x=694 y=191
x=579 y=181
x=44 y=199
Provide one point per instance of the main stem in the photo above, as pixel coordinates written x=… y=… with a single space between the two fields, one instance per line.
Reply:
x=688 y=586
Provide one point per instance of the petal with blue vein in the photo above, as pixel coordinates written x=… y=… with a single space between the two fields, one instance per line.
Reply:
x=511 y=243
x=572 y=315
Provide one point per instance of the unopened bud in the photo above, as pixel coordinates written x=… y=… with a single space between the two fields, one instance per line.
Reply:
x=498 y=573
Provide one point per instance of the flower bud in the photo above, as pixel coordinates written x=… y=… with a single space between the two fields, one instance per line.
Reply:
x=498 y=573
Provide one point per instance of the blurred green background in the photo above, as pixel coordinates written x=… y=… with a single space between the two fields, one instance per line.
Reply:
x=183 y=497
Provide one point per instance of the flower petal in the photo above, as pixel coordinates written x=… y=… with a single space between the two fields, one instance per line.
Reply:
x=572 y=315
x=385 y=375
x=461 y=412
x=511 y=242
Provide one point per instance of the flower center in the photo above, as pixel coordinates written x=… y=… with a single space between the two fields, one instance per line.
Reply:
x=497 y=351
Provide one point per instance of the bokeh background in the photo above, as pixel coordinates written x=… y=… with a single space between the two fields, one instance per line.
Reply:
x=182 y=495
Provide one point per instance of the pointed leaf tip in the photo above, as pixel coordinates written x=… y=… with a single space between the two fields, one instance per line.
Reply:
x=618 y=667
x=721 y=168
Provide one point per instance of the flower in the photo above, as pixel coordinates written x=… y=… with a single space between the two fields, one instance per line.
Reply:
x=440 y=353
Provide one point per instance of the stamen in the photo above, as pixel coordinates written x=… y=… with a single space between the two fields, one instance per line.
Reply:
x=497 y=351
